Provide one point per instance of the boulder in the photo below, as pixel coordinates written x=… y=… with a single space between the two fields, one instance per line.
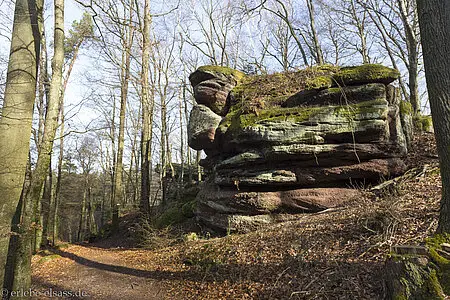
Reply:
x=212 y=84
x=292 y=143
x=213 y=93
x=202 y=127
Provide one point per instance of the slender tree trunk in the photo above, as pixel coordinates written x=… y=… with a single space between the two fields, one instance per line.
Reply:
x=318 y=50
x=435 y=33
x=16 y=114
x=412 y=45
x=43 y=86
x=43 y=212
x=163 y=170
x=125 y=78
x=147 y=116
x=199 y=168
x=180 y=105
x=82 y=223
x=188 y=150
x=55 y=209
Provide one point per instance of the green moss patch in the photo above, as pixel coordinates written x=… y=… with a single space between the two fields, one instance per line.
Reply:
x=367 y=73
x=48 y=258
x=209 y=72
x=406 y=108
x=176 y=214
x=423 y=123
x=319 y=83
x=238 y=75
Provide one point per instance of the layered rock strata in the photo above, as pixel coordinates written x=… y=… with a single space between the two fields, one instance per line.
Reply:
x=293 y=142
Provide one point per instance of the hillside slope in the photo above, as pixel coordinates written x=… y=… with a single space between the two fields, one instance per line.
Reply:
x=337 y=254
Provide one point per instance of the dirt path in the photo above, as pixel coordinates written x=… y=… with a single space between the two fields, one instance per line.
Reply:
x=96 y=273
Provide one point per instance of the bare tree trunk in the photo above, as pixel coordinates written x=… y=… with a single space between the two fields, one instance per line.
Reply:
x=199 y=168
x=180 y=106
x=434 y=27
x=16 y=114
x=147 y=115
x=412 y=45
x=42 y=214
x=125 y=78
x=188 y=150
x=54 y=215
x=81 y=235
x=318 y=50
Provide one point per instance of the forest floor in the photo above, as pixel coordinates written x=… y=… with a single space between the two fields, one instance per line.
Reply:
x=338 y=254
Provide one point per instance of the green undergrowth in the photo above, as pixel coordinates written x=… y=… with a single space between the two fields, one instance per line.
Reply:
x=176 y=214
x=423 y=123
x=48 y=258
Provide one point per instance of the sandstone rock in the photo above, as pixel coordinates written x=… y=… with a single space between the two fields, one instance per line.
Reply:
x=213 y=93
x=225 y=200
x=338 y=96
x=412 y=277
x=202 y=127
x=293 y=150
x=296 y=175
x=212 y=84
x=367 y=73
x=236 y=223
x=359 y=123
x=226 y=74
x=233 y=210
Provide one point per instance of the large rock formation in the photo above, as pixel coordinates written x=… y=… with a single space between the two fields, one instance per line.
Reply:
x=292 y=142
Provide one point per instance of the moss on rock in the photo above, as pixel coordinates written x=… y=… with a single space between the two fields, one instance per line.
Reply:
x=204 y=73
x=319 y=83
x=367 y=73
x=238 y=119
x=238 y=75
x=406 y=108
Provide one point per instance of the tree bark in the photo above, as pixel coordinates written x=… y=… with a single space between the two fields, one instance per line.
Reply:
x=412 y=45
x=434 y=25
x=125 y=78
x=147 y=116
x=16 y=114
x=317 y=49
